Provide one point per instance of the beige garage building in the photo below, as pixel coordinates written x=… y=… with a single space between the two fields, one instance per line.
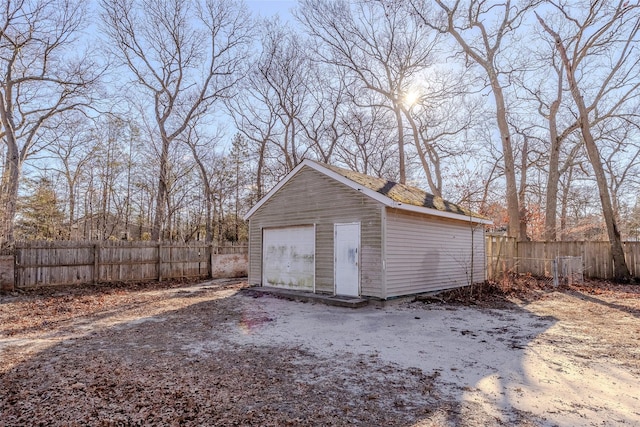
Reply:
x=325 y=229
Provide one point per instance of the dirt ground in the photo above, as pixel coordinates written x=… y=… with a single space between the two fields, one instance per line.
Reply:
x=214 y=354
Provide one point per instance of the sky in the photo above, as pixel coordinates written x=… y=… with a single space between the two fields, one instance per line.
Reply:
x=267 y=8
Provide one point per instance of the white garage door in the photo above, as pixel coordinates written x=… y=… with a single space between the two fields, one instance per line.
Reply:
x=288 y=257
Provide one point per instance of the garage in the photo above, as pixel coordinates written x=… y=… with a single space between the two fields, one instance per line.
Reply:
x=288 y=257
x=333 y=231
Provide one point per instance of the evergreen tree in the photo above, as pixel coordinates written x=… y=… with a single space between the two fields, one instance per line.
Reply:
x=39 y=215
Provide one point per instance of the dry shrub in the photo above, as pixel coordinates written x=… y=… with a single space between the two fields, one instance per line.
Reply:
x=491 y=291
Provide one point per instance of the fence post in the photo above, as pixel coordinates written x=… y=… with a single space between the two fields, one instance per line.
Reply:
x=159 y=262
x=16 y=274
x=210 y=261
x=96 y=263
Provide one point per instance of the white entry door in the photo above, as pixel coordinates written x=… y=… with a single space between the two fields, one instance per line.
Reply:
x=347 y=259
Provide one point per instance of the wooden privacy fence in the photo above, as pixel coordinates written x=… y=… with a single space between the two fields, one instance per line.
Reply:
x=63 y=263
x=60 y=262
x=505 y=254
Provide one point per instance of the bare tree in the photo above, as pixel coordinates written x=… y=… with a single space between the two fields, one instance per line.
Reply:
x=289 y=107
x=256 y=118
x=548 y=92
x=40 y=79
x=110 y=165
x=369 y=145
x=203 y=150
x=186 y=56
x=439 y=119
x=481 y=30
x=379 y=44
x=619 y=145
x=322 y=123
x=72 y=152
x=236 y=160
x=267 y=106
x=183 y=188
x=610 y=32
x=284 y=68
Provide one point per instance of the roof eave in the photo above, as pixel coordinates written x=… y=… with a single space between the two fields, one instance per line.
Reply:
x=441 y=214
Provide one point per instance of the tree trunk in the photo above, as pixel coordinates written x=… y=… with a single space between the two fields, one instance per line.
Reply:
x=162 y=196
x=401 y=165
x=220 y=219
x=237 y=197
x=620 y=269
x=106 y=182
x=564 y=207
x=259 y=171
x=517 y=221
x=435 y=189
x=209 y=219
x=72 y=206
x=553 y=177
x=9 y=192
x=10 y=174
x=522 y=230
x=208 y=195
x=127 y=212
x=513 y=207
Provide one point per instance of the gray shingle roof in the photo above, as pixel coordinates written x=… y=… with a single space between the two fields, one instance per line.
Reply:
x=402 y=193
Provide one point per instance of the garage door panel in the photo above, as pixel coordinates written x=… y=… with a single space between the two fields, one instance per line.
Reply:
x=289 y=257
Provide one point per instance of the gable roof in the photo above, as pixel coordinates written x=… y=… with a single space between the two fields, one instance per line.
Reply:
x=389 y=193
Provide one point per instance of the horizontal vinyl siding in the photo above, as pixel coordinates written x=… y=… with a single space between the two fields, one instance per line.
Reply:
x=313 y=198
x=427 y=253
x=255 y=255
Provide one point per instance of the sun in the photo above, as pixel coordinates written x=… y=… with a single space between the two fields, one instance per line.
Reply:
x=411 y=98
